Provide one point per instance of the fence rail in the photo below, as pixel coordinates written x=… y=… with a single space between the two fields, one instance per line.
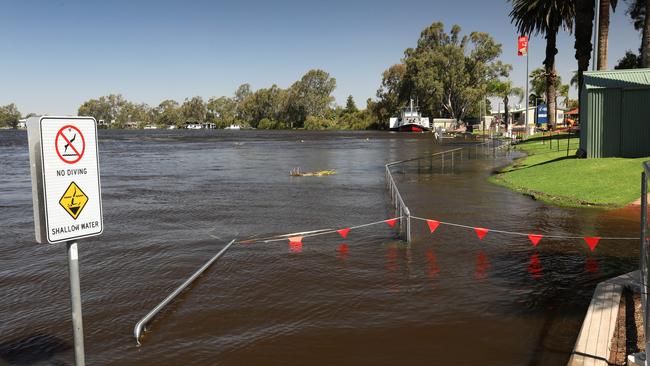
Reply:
x=486 y=148
x=140 y=326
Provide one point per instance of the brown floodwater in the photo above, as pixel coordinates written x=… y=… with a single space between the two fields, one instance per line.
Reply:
x=446 y=298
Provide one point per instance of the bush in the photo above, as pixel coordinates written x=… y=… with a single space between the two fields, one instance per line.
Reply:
x=318 y=123
x=269 y=124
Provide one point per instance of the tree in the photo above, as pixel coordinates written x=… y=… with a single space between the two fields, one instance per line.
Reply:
x=582 y=45
x=564 y=94
x=264 y=103
x=538 y=82
x=629 y=61
x=9 y=115
x=645 y=39
x=105 y=108
x=637 y=11
x=448 y=73
x=391 y=94
x=504 y=89
x=193 y=110
x=545 y=17
x=603 y=31
x=168 y=113
x=350 y=106
x=310 y=96
x=222 y=111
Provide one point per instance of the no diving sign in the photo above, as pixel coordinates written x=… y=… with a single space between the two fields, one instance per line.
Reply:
x=65 y=178
x=70 y=144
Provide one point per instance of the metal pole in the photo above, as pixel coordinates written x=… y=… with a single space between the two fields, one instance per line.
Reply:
x=526 y=106
x=644 y=257
x=75 y=301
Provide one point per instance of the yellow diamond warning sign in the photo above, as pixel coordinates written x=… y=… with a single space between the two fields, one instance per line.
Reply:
x=73 y=200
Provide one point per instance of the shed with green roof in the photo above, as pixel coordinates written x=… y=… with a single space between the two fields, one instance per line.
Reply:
x=615 y=113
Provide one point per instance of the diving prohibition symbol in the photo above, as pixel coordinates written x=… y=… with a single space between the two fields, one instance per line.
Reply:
x=70 y=144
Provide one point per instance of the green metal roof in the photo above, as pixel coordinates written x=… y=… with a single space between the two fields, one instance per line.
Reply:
x=632 y=78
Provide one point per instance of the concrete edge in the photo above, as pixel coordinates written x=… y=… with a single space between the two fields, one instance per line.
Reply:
x=592 y=346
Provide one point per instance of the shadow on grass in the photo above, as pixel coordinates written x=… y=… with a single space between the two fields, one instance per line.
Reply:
x=560 y=136
x=515 y=167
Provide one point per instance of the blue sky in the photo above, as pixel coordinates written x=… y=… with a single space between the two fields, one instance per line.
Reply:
x=57 y=54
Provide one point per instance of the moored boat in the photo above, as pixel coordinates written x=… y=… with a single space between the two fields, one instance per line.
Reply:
x=410 y=120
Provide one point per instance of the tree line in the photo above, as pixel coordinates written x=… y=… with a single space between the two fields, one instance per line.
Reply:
x=308 y=103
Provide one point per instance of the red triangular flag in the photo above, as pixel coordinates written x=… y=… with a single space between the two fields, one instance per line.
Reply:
x=433 y=225
x=295 y=239
x=343 y=232
x=592 y=241
x=534 y=238
x=481 y=232
x=391 y=222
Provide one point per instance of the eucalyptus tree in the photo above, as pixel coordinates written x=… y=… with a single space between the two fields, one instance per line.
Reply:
x=448 y=73
x=545 y=17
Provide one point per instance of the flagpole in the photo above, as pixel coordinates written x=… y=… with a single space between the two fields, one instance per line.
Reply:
x=526 y=107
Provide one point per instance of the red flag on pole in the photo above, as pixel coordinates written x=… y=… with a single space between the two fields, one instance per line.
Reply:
x=592 y=241
x=534 y=238
x=522 y=46
x=433 y=225
x=343 y=232
x=481 y=232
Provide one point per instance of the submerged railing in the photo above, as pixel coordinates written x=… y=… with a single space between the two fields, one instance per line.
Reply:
x=446 y=158
x=140 y=326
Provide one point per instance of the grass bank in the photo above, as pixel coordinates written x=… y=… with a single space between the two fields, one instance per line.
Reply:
x=548 y=174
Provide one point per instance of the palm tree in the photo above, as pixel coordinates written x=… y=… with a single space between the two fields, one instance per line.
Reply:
x=545 y=17
x=582 y=45
x=603 y=31
x=504 y=89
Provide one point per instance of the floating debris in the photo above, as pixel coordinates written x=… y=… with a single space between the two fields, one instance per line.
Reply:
x=297 y=173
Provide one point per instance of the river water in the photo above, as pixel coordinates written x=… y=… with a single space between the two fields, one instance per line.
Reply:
x=172 y=199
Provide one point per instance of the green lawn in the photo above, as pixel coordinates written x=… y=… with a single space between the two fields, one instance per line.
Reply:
x=552 y=176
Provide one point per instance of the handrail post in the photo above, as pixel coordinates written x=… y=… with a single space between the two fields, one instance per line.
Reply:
x=408 y=226
x=644 y=254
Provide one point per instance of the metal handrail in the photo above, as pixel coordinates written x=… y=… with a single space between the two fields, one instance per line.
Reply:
x=400 y=206
x=140 y=326
x=424 y=157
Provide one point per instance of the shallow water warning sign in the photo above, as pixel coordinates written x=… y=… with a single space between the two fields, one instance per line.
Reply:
x=73 y=200
x=65 y=178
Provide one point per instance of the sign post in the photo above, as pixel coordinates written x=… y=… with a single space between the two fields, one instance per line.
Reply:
x=66 y=193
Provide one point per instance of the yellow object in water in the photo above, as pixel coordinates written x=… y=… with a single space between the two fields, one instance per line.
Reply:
x=297 y=173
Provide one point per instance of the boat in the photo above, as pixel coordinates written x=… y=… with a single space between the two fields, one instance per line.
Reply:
x=410 y=120
x=233 y=127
